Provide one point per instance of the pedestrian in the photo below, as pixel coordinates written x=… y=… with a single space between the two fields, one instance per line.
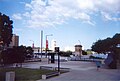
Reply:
x=98 y=64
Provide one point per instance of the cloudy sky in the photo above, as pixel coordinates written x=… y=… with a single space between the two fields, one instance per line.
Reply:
x=70 y=21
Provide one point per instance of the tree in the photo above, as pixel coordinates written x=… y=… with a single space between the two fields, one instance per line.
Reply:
x=97 y=46
x=84 y=52
x=116 y=39
x=67 y=53
x=14 y=55
x=116 y=48
x=19 y=54
x=106 y=45
x=103 y=46
x=109 y=45
x=5 y=30
x=29 y=52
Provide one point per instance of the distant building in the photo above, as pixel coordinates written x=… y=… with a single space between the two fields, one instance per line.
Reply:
x=38 y=50
x=78 y=50
x=15 y=41
x=53 y=45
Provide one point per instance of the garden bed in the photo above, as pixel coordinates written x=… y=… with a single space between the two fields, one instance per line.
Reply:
x=24 y=74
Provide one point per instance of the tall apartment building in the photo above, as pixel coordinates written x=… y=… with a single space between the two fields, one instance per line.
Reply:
x=15 y=41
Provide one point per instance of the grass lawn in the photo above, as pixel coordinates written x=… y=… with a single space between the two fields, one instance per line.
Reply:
x=23 y=74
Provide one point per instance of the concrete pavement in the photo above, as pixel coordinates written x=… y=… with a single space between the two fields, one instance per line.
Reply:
x=80 y=71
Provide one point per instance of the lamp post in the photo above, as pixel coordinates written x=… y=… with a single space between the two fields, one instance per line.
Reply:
x=47 y=44
x=32 y=43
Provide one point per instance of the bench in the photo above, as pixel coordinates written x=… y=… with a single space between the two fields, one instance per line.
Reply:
x=47 y=67
x=48 y=75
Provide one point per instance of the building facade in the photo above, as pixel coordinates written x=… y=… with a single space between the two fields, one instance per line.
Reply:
x=15 y=40
x=78 y=50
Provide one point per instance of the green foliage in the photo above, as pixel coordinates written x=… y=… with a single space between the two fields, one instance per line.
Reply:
x=106 y=45
x=67 y=54
x=84 y=52
x=16 y=54
x=5 y=29
x=116 y=39
x=89 y=52
x=29 y=52
x=5 y=33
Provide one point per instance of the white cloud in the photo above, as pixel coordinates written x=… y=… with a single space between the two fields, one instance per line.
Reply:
x=110 y=6
x=41 y=13
x=87 y=4
x=108 y=17
x=28 y=6
x=57 y=13
x=17 y=16
x=26 y=14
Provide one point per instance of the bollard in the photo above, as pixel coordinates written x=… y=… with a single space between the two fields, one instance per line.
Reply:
x=43 y=77
x=10 y=76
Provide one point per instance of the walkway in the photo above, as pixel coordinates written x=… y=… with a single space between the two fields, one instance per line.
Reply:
x=80 y=71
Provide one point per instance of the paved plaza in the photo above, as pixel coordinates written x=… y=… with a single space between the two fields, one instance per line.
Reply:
x=79 y=71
